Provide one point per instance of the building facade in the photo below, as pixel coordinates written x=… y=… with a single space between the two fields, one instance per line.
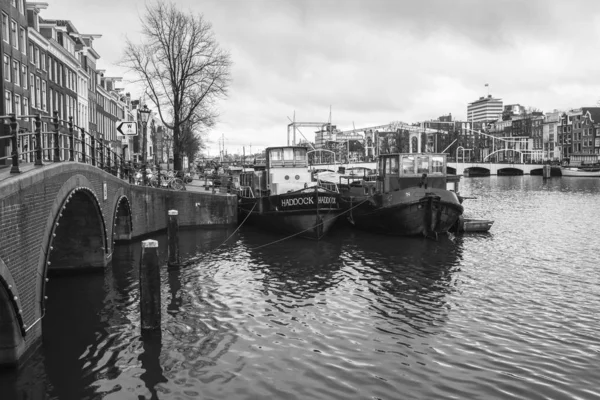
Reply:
x=14 y=74
x=485 y=109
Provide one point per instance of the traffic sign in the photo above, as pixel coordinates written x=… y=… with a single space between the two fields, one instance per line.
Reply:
x=128 y=128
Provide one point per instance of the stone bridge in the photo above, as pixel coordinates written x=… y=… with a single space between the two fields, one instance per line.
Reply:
x=487 y=168
x=68 y=216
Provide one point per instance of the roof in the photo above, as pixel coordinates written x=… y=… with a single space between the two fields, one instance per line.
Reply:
x=594 y=113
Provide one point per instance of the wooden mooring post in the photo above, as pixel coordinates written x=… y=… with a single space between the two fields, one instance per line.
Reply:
x=547 y=171
x=173 y=238
x=150 y=285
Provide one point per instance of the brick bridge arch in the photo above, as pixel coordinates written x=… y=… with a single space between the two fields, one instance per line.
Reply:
x=66 y=216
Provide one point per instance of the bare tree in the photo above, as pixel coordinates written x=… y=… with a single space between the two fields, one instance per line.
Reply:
x=183 y=67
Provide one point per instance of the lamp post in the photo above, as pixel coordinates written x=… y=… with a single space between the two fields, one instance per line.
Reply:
x=144 y=116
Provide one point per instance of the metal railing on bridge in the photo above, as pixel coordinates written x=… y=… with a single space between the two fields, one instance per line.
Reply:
x=66 y=142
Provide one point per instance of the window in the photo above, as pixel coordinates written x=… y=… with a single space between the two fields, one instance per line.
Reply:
x=51 y=100
x=6 y=68
x=437 y=164
x=24 y=76
x=16 y=74
x=17 y=104
x=408 y=165
x=22 y=40
x=5 y=32
x=21 y=10
x=7 y=102
x=38 y=92
x=32 y=89
x=31 y=53
x=14 y=34
x=423 y=165
x=44 y=96
x=25 y=106
x=393 y=165
x=36 y=56
x=43 y=61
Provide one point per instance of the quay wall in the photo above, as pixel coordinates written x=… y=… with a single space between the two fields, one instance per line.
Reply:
x=195 y=209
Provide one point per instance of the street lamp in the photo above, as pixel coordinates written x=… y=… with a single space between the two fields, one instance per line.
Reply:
x=144 y=116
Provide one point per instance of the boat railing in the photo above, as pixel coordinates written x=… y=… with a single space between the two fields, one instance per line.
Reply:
x=246 y=191
x=289 y=163
x=328 y=185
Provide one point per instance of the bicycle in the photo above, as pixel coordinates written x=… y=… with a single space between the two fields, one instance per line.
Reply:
x=170 y=181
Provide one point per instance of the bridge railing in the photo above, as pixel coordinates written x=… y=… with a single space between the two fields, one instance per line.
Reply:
x=66 y=142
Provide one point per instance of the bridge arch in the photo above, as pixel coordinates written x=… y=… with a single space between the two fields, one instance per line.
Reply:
x=123 y=221
x=12 y=328
x=78 y=237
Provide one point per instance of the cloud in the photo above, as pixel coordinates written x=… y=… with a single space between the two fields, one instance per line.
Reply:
x=377 y=61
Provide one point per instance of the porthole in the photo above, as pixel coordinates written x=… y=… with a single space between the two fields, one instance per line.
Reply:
x=287 y=177
x=297 y=177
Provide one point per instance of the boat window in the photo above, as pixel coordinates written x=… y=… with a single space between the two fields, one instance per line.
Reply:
x=423 y=165
x=393 y=166
x=276 y=154
x=299 y=154
x=408 y=165
x=288 y=154
x=437 y=164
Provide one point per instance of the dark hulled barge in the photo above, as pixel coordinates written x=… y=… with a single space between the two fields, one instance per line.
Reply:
x=282 y=197
x=410 y=195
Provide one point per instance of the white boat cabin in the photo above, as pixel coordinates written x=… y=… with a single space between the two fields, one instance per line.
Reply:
x=285 y=170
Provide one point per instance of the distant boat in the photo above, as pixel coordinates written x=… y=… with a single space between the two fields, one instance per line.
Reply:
x=581 y=171
x=411 y=194
x=282 y=197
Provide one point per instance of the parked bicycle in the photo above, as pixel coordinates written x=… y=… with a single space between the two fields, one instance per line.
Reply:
x=170 y=181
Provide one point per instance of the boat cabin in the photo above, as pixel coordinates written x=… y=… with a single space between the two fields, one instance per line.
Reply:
x=285 y=170
x=402 y=170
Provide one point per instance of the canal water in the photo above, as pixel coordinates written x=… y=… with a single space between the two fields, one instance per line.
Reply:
x=510 y=314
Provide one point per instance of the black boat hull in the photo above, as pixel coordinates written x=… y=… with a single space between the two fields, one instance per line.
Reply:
x=309 y=213
x=406 y=212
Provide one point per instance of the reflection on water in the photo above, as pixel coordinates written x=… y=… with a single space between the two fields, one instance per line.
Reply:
x=507 y=314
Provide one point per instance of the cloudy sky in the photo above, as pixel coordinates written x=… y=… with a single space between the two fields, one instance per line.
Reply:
x=372 y=62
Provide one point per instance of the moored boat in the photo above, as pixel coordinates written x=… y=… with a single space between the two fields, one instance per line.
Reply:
x=282 y=197
x=581 y=171
x=410 y=195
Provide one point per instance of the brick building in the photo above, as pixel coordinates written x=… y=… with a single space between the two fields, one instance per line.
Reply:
x=15 y=82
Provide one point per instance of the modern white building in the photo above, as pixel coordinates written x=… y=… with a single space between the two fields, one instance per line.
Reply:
x=486 y=109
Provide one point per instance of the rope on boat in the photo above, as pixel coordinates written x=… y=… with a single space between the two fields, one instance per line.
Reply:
x=312 y=227
x=238 y=228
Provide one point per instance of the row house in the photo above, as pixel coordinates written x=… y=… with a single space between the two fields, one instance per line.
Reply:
x=14 y=74
x=106 y=107
x=550 y=148
x=537 y=136
x=49 y=66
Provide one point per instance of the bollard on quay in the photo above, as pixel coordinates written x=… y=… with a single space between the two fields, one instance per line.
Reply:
x=150 y=286
x=173 y=238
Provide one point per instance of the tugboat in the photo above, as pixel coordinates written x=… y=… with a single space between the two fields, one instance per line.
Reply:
x=281 y=196
x=411 y=194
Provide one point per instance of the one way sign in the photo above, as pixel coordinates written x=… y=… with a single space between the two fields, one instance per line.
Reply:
x=128 y=128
